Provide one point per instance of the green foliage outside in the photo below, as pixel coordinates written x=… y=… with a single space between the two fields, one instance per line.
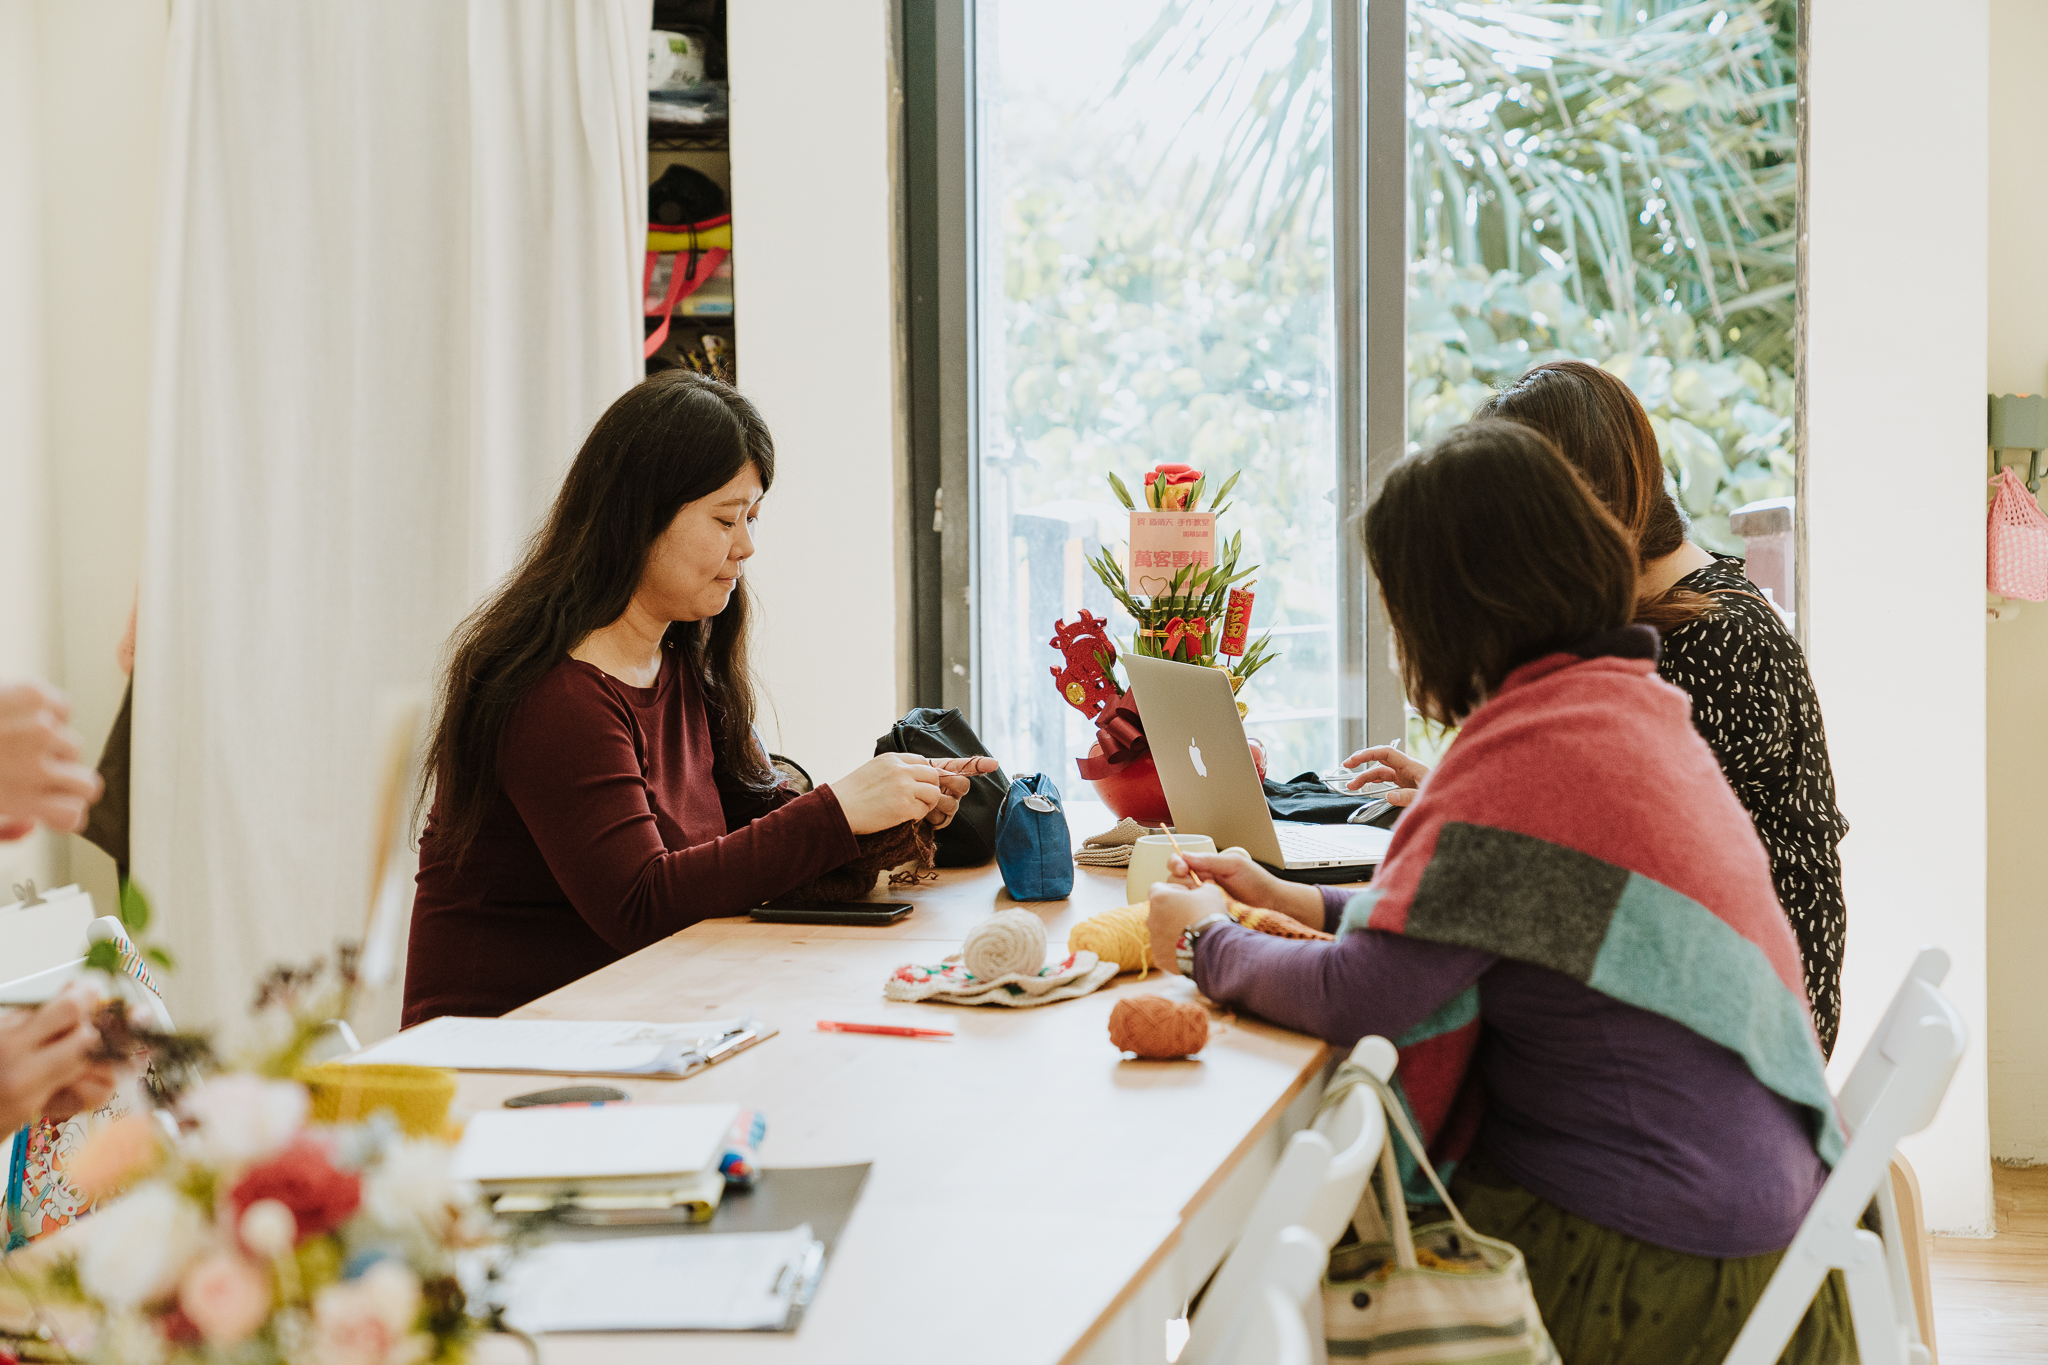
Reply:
x=1612 y=183
x=1584 y=182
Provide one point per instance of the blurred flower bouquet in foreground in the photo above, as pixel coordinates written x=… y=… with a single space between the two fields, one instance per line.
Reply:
x=231 y=1228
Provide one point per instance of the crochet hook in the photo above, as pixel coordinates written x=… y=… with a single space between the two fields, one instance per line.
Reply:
x=893 y=1030
x=1167 y=830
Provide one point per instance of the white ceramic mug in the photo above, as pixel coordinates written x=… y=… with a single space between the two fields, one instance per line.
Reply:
x=1148 y=860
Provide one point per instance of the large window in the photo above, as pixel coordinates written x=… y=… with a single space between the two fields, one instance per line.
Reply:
x=1156 y=217
x=1287 y=239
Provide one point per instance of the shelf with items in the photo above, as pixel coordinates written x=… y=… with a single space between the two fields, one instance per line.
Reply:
x=689 y=172
x=664 y=135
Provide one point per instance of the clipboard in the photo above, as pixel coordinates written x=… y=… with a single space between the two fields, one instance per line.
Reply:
x=569 y=1047
x=818 y=1201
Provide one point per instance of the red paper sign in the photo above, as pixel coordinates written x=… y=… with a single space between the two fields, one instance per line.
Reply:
x=1237 y=622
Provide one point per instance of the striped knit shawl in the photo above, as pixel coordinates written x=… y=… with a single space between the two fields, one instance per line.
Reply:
x=1581 y=824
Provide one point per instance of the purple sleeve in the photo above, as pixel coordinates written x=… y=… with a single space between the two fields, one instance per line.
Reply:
x=1370 y=981
x=1335 y=898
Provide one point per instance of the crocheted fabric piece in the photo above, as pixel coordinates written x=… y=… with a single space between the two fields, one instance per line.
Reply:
x=913 y=841
x=950 y=983
x=1274 y=923
x=1112 y=847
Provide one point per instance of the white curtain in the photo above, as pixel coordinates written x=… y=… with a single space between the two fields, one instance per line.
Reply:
x=398 y=275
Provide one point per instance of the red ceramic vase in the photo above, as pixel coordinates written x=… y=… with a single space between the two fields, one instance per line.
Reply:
x=1132 y=789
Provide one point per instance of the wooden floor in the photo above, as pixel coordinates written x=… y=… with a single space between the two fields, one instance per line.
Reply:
x=1991 y=1294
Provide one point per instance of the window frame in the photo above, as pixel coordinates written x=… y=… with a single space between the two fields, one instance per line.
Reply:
x=944 y=62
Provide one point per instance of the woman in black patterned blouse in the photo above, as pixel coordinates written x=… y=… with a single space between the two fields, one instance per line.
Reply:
x=1724 y=644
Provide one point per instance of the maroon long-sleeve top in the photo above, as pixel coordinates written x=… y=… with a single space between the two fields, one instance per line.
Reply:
x=610 y=831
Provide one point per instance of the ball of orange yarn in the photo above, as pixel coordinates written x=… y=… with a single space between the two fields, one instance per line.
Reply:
x=1157 y=1028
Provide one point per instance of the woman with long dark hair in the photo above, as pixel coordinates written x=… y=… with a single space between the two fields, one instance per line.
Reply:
x=1598 y=1002
x=597 y=783
x=1724 y=645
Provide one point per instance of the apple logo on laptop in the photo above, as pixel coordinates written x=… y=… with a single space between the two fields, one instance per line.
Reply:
x=1195 y=757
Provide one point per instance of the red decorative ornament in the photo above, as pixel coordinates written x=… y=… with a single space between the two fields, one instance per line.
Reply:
x=1237 y=622
x=1084 y=682
x=1179 y=629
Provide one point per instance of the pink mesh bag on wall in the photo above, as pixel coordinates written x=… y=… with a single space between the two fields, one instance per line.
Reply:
x=2018 y=557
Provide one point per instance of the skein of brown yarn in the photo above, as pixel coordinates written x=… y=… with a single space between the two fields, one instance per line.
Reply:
x=1157 y=1028
x=911 y=841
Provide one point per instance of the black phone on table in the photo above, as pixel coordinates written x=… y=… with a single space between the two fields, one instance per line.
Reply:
x=834 y=912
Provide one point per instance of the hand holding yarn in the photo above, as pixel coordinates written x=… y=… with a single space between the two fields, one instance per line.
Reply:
x=1157 y=1028
x=1012 y=941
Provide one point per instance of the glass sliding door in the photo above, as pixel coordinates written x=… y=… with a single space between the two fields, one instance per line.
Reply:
x=1153 y=208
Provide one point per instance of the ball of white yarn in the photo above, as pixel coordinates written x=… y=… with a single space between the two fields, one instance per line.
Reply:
x=1011 y=941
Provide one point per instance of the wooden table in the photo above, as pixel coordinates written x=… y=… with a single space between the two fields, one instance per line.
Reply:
x=1034 y=1197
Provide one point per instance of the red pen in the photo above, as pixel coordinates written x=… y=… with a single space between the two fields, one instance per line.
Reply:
x=834 y=1026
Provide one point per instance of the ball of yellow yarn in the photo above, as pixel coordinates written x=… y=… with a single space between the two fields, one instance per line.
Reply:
x=1117 y=936
x=1157 y=1028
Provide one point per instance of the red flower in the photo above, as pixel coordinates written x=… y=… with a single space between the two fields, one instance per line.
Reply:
x=304 y=1178
x=178 y=1329
x=1175 y=473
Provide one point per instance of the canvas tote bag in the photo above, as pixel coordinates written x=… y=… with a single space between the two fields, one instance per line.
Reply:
x=1440 y=1292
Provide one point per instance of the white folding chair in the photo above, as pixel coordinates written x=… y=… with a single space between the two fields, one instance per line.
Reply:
x=1894 y=1090
x=1274 y=1332
x=1316 y=1186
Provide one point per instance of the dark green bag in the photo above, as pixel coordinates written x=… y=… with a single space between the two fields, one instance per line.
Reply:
x=970 y=840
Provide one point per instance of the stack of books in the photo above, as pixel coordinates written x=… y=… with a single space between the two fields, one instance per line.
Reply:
x=602 y=1165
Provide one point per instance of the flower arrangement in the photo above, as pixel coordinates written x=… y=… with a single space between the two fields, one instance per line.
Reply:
x=1191 y=602
x=1183 y=606
x=233 y=1227
x=253 y=1236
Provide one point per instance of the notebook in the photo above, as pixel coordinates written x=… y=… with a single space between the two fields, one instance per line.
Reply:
x=575 y=1047
x=618 y=1148
x=692 y=1199
x=42 y=946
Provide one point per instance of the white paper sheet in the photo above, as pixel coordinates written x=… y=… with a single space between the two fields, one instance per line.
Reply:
x=569 y=1046
x=606 y=1142
x=734 y=1282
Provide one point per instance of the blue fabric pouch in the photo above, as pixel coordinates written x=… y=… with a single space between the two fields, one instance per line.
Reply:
x=1033 y=848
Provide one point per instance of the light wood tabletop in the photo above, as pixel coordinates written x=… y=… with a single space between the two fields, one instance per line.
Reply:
x=1034 y=1197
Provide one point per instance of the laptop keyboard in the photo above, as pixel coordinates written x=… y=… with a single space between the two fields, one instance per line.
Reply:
x=1302 y=846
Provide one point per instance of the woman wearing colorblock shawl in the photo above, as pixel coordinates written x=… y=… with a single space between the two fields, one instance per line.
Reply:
x=1724 y=646
x=1598 y=1002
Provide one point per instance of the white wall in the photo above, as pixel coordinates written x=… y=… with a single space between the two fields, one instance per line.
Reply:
x=1894 y=372
x=2017 y=651
x=814 y=317
x=101 y=64
x=25 y=639
x=79 y=88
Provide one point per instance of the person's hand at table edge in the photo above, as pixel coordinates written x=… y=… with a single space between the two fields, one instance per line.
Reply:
x=1389 y=765
x=49 y=1059
x=1245 y=882
x=41 y=779
x=1173 y=909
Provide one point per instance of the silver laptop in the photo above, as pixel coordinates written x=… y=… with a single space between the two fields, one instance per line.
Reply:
x=1211 y=787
